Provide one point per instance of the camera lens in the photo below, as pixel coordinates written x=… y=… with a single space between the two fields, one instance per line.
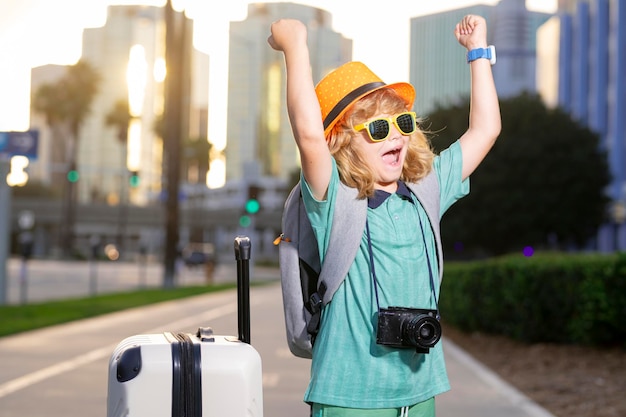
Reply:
x=426 y=332
x=422 y=330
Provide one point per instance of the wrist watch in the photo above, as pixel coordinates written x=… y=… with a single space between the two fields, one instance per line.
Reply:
x=488 y=53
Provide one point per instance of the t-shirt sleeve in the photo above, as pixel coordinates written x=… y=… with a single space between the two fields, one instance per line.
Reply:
x=449 y=168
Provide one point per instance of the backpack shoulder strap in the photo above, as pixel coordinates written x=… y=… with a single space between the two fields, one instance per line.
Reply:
x=345 y=237
x=428 y=193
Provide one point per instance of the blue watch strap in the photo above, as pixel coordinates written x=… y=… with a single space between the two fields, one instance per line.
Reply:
x=488 y=53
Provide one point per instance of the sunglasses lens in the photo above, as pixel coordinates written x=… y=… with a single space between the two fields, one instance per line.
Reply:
x=406 y=123
x=379 y=129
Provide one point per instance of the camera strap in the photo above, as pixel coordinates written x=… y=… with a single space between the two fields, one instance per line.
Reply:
x=430 y=269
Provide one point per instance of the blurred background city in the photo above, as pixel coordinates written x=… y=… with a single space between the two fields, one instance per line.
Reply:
x=152 y=145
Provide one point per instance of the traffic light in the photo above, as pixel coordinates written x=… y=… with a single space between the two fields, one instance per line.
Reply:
x=72 y=175
x=134 y=179
x=245 y=221
x=251 y=206
x=252 y=202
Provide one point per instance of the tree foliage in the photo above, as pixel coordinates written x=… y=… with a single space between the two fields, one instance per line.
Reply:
x=119 y=118
x=195 y=156
x=196 y=153
x=66 y=103
x=542 y=185
x=69 y=99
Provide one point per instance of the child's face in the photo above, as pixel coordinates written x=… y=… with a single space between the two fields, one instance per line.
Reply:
x=386 y=158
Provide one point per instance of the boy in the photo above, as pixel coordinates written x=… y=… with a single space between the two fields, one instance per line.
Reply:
x=368 y=138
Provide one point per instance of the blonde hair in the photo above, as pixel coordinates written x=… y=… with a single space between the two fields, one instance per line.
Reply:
x=354 y=171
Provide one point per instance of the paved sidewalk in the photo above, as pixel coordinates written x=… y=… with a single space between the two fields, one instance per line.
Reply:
x=476 y=390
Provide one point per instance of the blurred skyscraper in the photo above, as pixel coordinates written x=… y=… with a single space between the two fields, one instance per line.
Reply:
x=591 y=86
x=128 y=53
x=438 y=68
x=259 y=138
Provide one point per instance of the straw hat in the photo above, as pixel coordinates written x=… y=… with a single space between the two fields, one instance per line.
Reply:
x=338 y=90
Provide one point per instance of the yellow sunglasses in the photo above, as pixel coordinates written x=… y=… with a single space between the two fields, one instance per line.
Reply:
x=378 y=129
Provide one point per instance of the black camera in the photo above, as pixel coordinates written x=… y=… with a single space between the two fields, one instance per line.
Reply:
x=404 y=327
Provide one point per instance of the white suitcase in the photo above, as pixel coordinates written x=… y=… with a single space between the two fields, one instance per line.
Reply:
x=186 y=375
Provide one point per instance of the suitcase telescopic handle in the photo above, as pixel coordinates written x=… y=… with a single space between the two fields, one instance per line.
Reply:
x=242 y=255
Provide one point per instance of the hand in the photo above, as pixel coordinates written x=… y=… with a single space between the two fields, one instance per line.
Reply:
x=287 y=33
x=471 y=32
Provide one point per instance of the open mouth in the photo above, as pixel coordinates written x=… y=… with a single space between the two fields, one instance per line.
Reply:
x=392 y=157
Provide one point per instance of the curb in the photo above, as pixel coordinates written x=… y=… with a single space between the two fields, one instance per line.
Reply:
x=508 y=391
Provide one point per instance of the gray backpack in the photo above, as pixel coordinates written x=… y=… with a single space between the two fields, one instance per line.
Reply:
x=307 y=286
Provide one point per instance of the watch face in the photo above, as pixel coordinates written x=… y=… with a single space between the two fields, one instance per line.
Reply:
x=492 y=53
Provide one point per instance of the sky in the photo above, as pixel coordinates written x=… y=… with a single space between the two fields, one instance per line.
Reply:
x=40 y=32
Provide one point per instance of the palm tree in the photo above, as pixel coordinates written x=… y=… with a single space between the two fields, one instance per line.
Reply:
x=48 y=100
x=195 y=155
x=65 y=105
x=195 y=159
x=119 y=118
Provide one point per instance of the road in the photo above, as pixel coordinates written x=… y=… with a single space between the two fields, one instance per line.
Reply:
x=62 y=370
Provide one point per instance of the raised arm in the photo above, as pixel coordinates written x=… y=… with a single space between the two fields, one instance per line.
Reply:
x=484 y=120
x=290 y=37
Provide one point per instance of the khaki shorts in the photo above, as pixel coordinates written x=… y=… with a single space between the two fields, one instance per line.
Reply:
x=423 y=409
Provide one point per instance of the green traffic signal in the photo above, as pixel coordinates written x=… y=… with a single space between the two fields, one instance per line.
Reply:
x=134 y=179
x=245 y=221
x=72 y=175
x=252 y=206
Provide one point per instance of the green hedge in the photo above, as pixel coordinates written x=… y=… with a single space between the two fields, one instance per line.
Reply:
x=551 y=297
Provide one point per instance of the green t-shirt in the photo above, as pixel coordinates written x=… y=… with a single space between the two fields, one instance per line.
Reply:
x=349 y=369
